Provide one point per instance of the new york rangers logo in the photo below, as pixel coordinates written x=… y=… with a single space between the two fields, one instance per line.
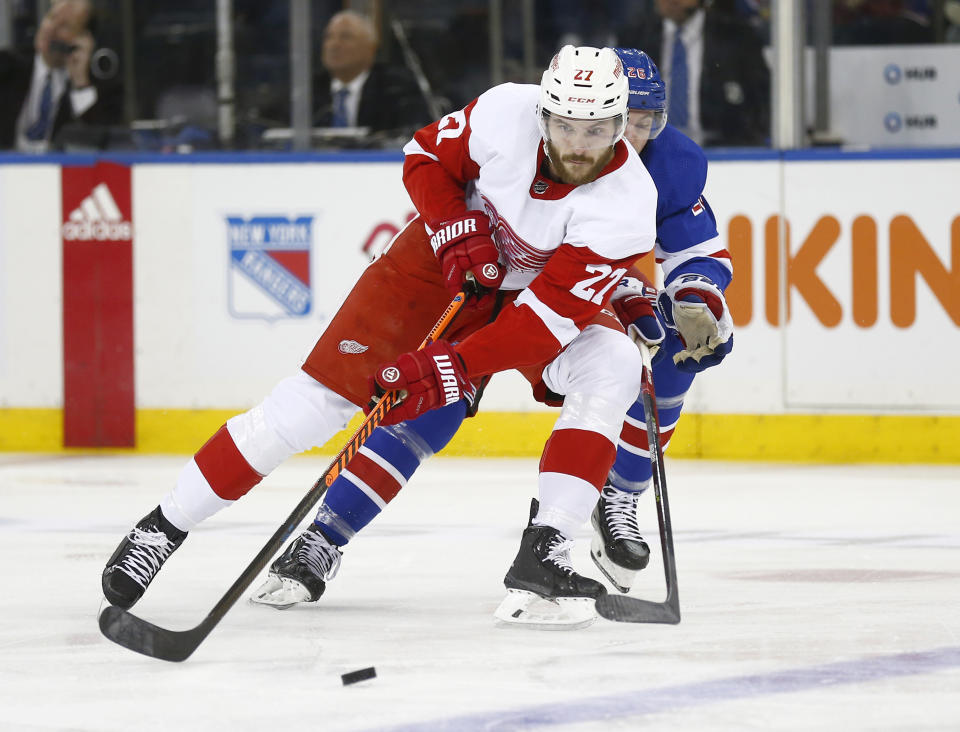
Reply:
x=269 y=266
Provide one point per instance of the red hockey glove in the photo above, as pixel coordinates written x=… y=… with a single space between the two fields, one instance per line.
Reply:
x=634 y=302
x=464 y=245
x=432 y=378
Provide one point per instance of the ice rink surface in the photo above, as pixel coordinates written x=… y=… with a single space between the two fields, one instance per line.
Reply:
x=822 y=598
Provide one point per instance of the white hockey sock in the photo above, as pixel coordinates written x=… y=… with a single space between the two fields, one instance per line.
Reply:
x=565 y=502
x=192 y=499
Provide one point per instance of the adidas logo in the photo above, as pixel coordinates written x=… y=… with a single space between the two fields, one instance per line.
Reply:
x=97 y=218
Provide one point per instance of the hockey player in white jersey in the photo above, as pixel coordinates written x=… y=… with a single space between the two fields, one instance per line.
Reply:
x=531 y=191
x=686 y=228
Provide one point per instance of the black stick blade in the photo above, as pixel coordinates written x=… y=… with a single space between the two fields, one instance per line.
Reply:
x=634 y=610
x=151 y=640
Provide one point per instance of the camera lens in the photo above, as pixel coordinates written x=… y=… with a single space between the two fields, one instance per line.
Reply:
x=104 y=63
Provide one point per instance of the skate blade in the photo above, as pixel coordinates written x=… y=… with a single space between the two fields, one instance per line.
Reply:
x=528 y=610
x=620 y=577
x=280 y=593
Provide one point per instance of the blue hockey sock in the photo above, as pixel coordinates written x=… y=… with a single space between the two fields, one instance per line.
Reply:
x=388 y=459
x=631 y=470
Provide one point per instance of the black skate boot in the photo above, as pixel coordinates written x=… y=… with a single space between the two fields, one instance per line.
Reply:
x=543 y=590
x=138 y=559
x=301 y=573
x=617 y=548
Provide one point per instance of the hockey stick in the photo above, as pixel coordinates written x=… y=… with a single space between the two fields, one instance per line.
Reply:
x=138 y=635
x=632 y=609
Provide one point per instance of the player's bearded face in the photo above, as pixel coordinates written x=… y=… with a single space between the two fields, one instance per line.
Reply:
x=579 y=149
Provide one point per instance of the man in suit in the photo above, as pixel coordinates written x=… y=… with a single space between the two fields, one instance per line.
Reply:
x=355 y=91
x=719 y=63
x=42 y=94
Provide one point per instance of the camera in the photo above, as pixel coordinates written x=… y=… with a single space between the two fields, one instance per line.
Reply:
x=62 y=47
x=104 y=63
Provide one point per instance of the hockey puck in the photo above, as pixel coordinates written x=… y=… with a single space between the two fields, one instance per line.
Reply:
x=361 y=675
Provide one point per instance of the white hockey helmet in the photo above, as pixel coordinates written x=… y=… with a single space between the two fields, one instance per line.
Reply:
x=584 y=83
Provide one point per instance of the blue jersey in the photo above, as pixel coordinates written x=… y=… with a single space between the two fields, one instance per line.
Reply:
x=687 y=237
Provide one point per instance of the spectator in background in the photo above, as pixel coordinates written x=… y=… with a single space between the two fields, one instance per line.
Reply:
x=718 y=82
x=355 y=91
x=39 y=96
x=951 y=11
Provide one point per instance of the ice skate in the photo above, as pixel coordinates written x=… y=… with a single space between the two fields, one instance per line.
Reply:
x=301 y=573
x=617 y=548
x=543 y=590
x=138 y=559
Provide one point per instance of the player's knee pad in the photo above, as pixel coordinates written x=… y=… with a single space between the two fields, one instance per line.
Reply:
x=624 y=376
x=600 y=376
x=298 y=414
x=601 y=362
x=593 y=413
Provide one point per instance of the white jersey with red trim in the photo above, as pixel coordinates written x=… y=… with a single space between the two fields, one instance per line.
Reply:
x=565 y=246
x=531 y=215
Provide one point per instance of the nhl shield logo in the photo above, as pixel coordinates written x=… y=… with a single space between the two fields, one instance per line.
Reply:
x=269 y=266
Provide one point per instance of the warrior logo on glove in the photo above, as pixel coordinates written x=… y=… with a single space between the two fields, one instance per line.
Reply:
x=464 y=246
x=390 y=375
x=448 y=377
x=432 y=377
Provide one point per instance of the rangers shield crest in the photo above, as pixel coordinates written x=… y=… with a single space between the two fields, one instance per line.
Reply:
x=269 y=266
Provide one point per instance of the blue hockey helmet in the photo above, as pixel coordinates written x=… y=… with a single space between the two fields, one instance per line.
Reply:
x=647 y=90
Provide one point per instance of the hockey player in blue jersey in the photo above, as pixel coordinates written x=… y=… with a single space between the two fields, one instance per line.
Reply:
x=698 y=334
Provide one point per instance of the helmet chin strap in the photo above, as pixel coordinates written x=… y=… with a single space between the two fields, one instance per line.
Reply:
x=546 y=150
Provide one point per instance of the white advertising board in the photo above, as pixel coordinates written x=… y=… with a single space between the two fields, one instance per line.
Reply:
x=217 y=327
x=895 y=96
x=31 y=302
x=230 y=331
x=866 y=330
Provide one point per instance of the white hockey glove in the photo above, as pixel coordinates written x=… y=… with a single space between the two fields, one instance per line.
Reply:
x=694 y=307
x=635 y=303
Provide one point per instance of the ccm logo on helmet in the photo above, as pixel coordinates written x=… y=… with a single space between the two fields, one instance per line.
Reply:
x=581 y=100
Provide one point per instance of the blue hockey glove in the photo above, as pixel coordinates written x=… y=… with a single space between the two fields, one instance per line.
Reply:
x=694 y=306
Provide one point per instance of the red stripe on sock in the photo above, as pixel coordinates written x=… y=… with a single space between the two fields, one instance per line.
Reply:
x=583 y=454
x=382 y=483
x=637 y=436
x=634 y=436
x=226 y=470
